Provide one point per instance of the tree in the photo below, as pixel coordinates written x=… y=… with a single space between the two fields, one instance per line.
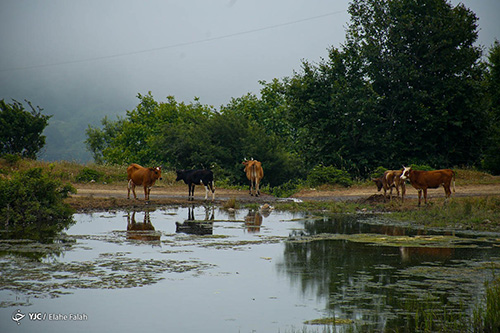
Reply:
x=21 y=130
x=491 y=159
x=330 y=106
x=134 y=138
x=405 y=88
x=420 y=59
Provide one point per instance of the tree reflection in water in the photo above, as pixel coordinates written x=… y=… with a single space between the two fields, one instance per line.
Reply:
x=371 y=284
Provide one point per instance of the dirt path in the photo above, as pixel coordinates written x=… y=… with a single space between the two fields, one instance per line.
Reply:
x=102 y=197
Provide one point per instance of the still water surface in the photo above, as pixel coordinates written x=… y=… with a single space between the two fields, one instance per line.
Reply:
x=204 y=269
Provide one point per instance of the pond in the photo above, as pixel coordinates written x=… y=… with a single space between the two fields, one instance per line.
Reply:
x=206 y=269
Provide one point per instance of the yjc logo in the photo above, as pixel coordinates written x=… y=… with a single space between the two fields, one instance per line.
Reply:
x=17 y=316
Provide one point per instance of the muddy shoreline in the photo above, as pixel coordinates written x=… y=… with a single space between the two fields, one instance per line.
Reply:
x=96 y=197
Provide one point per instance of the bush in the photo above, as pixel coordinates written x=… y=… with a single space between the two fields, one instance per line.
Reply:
x=378 y=172
x=421 y=167
x=320 y=175
x=286 y=190
x=32 y=200
x=88 y=174
x=11 y=159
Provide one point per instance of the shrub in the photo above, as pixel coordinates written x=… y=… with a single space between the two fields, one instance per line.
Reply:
x=378 y=172
x=32 y=200
x=421 y=167
x=11 y=159
x=88 y=174
x=320 y=175
x=286 y=189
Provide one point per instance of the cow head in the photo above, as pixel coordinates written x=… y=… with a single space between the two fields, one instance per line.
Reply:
x=180 y=175
x=156 y=172
x=378 y=182
x=406 y=172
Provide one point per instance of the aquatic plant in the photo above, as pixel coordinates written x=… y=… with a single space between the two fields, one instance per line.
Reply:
x=486 y=317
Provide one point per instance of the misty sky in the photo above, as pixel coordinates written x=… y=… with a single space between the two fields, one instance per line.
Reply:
x=81 y=60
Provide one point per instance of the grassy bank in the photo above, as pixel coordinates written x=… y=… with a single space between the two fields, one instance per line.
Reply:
x=473 y=212
x=464 y=213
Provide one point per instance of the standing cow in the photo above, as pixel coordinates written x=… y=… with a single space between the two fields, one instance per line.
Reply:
x=138 y=175
x=254 y=172
x=390 y=179
x=197 y=177
x=422 y=180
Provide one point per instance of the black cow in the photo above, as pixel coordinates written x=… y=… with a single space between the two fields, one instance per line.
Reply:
x=197 y=177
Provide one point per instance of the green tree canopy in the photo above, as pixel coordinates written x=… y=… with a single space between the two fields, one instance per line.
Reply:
x=21 y=130
x=404 y=88
x=491 y=159
x=186 y=136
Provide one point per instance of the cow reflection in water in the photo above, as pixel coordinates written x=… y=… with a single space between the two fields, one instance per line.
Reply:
x=197 y=227
x=409 y=254
x=143 y=231
x=253 y=221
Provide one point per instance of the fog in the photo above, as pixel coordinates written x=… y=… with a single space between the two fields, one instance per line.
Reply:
x=83 y=60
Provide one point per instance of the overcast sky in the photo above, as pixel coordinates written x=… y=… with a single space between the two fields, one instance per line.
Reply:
x=97 y=55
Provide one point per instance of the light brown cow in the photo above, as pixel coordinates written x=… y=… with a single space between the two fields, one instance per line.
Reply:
x=254 y=171
x=422 y=180
x=389 y=180
x=138 y=175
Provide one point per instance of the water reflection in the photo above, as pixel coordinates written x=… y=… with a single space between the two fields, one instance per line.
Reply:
x=142 y=231
x=253 y=221
x=197 y=227
x=37 y=240
x=419 y=254
x=372 y=283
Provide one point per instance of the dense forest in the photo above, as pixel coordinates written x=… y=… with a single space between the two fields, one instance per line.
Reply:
x=409 y=86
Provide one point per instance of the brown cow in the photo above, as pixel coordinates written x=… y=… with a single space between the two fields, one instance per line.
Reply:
x=254 y=171
x=390 y=179
x=422 y=180
x=138 y=175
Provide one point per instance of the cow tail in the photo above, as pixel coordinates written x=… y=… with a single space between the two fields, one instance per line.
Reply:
x=454 y=173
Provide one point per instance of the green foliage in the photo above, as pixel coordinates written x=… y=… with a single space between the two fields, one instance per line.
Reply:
x=320 y=175
x=11 y=159
x=192 y=136
x=21 y=132
x=31 y=200
x=402 y=88
x=88 y=174
x=421 y=167
x=378 y=172
x=285 y=190
x=491 y=160
x=407 y=86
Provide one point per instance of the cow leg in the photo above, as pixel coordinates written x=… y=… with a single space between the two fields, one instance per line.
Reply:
x=192 y=192
x=447 y=190
x=257 y=190
x=419 y=196
x=403 y=192
x=206 y=191
x=129 y=186
x=250 y=187
x=425 y=196
x=146 y=197
x=133 y=191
